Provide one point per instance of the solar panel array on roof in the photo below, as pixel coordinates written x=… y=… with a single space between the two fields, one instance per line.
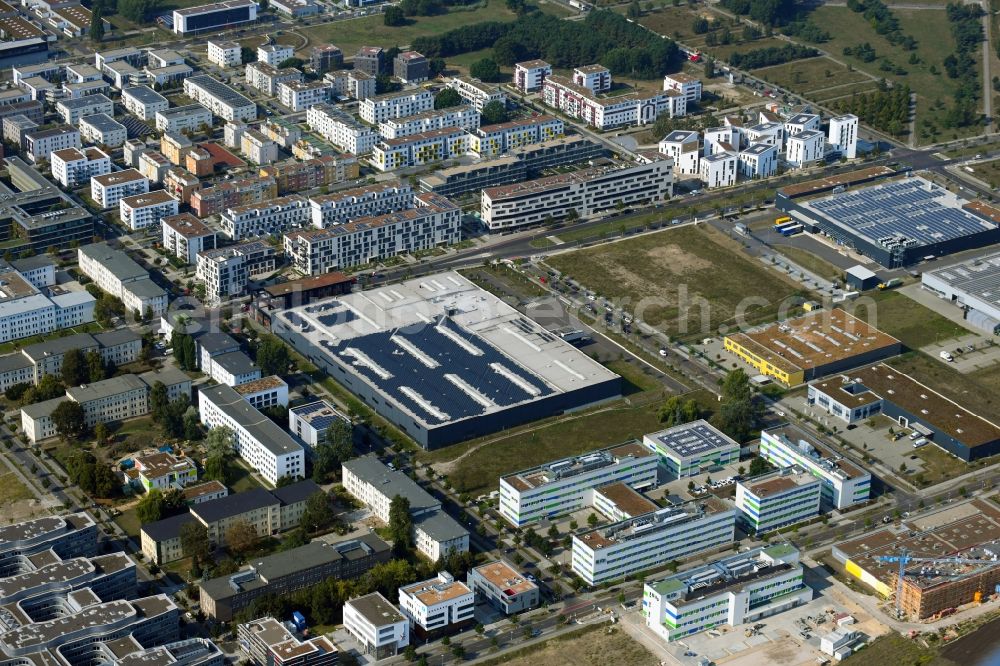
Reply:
x=693 y=439
x=905 y=213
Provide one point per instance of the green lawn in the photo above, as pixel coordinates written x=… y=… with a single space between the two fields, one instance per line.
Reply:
x=987 y=171
x=12 y=489
x=811 y=76
x=241 y=479
x=674 y=279
x=915 y=325
x=129 y=521
x=830 y=94
x=635 y=376
x=674 y=22
x=503 y=281
x=894 y=649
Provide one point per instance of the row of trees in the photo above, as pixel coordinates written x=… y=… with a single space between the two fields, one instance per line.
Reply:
x=157 y=505
x=774 y=55
x=768 y=12
x=886 y=109
x=883 y=21
x=91 y=477
x=176 y=417
x=48 y=387
x=185 y=352
x=967 y=29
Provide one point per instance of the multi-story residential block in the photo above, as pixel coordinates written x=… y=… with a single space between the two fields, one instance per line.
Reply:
x=225 y=53
x=638 y=108
x=50 y=71
x=433 y=222
x=15 y=127
x=84 y=73
x=103 y=130
x=143 y=210
x=73 y=167
x=299 y=96
x=181 y=184
x=381 y=108
x=262 y=444
x=39 y=144
x=258 y=148
x=168 y=75
x=503 y=587
x=143 y=102
x=721 y=140
x=739 y=589
x=39 y=271
x=652 y=540
x=369 y=59
x=805 y=148
x=45 y=358
x=39 y=89
x=109 y=400
x=437 y=606
x=844 y=483
x=226 y=271
x=718 y=170
x=266 y=78
x=770 y=133
x=476 y=93
x=758 y=161
x=377 y=625
x=282 y=131
x=232 y=369
x=274 y=54
x=691 y=448
x=295 y=176
x=219 y=98
x=273 y=217
x=184 y=236
x=266 y=641
x=84 y=88
x=283 y=573
x=462 y=117
x=843 y=135
x=419 y=149
x=493 y=140
x=586 y=192
x=776 y=499
x=325 y=57
x=71 y=110
x=116 y=273
x=801 y=122
x=368 y=201
x=565 y=485
x=341 y=129
x=310 y=422
x=214 y=200
x=683 y=148
x=595 y=78
x=175 y=147
x=530 y=75
x=215 y=16
x=110 y=188
x=190 y=117
x=411 y=67
x=24 y=311
x=153 y=165
x=351 y=83
x=270 y=391
x=685 y=84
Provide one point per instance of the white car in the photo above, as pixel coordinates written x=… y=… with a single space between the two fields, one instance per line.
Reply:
x=663 y=352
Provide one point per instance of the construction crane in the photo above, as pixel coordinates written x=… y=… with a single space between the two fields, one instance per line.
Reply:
x=905 y=558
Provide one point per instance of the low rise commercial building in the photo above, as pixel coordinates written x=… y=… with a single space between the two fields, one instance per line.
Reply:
x=266 y=641
x=691 y=448
x=378 y=626
x=437 y=606
x=777 y=499
x=503 y=587
x=69 y=536
x=969 y=286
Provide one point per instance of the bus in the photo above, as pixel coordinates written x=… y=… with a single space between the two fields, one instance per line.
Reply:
x=782 y=220
x=792 y=230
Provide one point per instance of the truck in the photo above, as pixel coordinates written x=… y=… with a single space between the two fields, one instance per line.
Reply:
x=792 y=230
x=890 y=284
x=784 y=219
x=946 y=356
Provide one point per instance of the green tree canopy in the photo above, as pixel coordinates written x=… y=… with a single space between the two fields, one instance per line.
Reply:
x=485 y=70
x=194 y=541
x=68 y=419
x=447 y=98
x=495 y=112
x=150 y=507
x=400 y=526
x=740 y=411
x=74 y=368
x=272 y=356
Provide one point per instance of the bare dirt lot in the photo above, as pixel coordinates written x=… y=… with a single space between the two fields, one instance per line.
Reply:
x=593 y=647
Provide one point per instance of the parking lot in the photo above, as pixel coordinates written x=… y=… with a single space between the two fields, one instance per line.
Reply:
x=968 y=353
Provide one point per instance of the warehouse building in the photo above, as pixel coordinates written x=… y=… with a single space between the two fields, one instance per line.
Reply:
x=883 y=389
x=477 y=365
x=692 y=448
x=815 y=345
x=972 y=285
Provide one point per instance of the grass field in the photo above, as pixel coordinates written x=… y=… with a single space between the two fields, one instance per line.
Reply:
x=976 y=392
x=673 y=280
x=12 y=489
x=674 y=22
x=129 y=521
x=987 y=171
x=831 y=94
x=894 y=649
x=915 y=325
x=635 y=375
x=596 y=645
x=811 y=262
x=811 y=75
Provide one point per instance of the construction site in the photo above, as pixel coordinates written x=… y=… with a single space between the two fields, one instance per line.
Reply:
x=934 y=565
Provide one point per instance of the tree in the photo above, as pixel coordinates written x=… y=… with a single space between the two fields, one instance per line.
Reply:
x=241 y=537
x=248 y=55
x=219 y=443
x=69 y=420
x=400 y=526
x=101 y=433
x=318 y=513
x=15 y=392
x=96 y=371
x=741 y=411
x=592 y=519
x=634 y=10
x=758 y=466
x=709 y=67
x=150 y=507
x=272 y=356
x=485 y=70
x=97 y=23
x=393 y=16
x=334 y=450
x=676 y=411
x=184 y=351
x=194 y=541
x=297 y=63
x=137 y=10
x=494 y=113
x=519 y=7
x=74 y=368
x=447 y=98
x=158 y=401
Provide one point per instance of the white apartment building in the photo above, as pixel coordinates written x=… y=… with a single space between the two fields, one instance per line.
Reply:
x=652 y=540
x=381 y=108
x=71 y=110
x=144 y=102
x=266 y=78
x=438 y=604
x=110 y=400
x=721 y=140
x=267 y=217
x=34 y=313
x=735 y=590
x=433 y=222
x=773 y=500
x=770 y=133
x=142 y=210
x=274 y=54
x=180 y=118
x=377 y=625
x=420 y=149
x=801 y=122
x=638 y=108
x=530 y=75
x=844 y=484
x=805 y=148
x=476 y=93
x=110 y=188
x=691 y=448
x=843 y=135
x=310 y=422
x=83 y=73
x=718 y=170
x=40 y=144
x=117 y=274
x=586 y=192
x=225 y=53
x=759 y=160
x=341 y=129
x=683 y=148
x=256 y=439
x=565 y=485
x=493 y=140
x=226 y=271
x=299 y=96
x=270 y=391
x=368 y=201
x=462 y=117
x=232 y=369
x=685 y=84
x=103 y=130
x=257 y=148
x=375 y=485
x=74 y=167
x=219 y=98
x=595 y=78
x=152 y=164
x=351 y=83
